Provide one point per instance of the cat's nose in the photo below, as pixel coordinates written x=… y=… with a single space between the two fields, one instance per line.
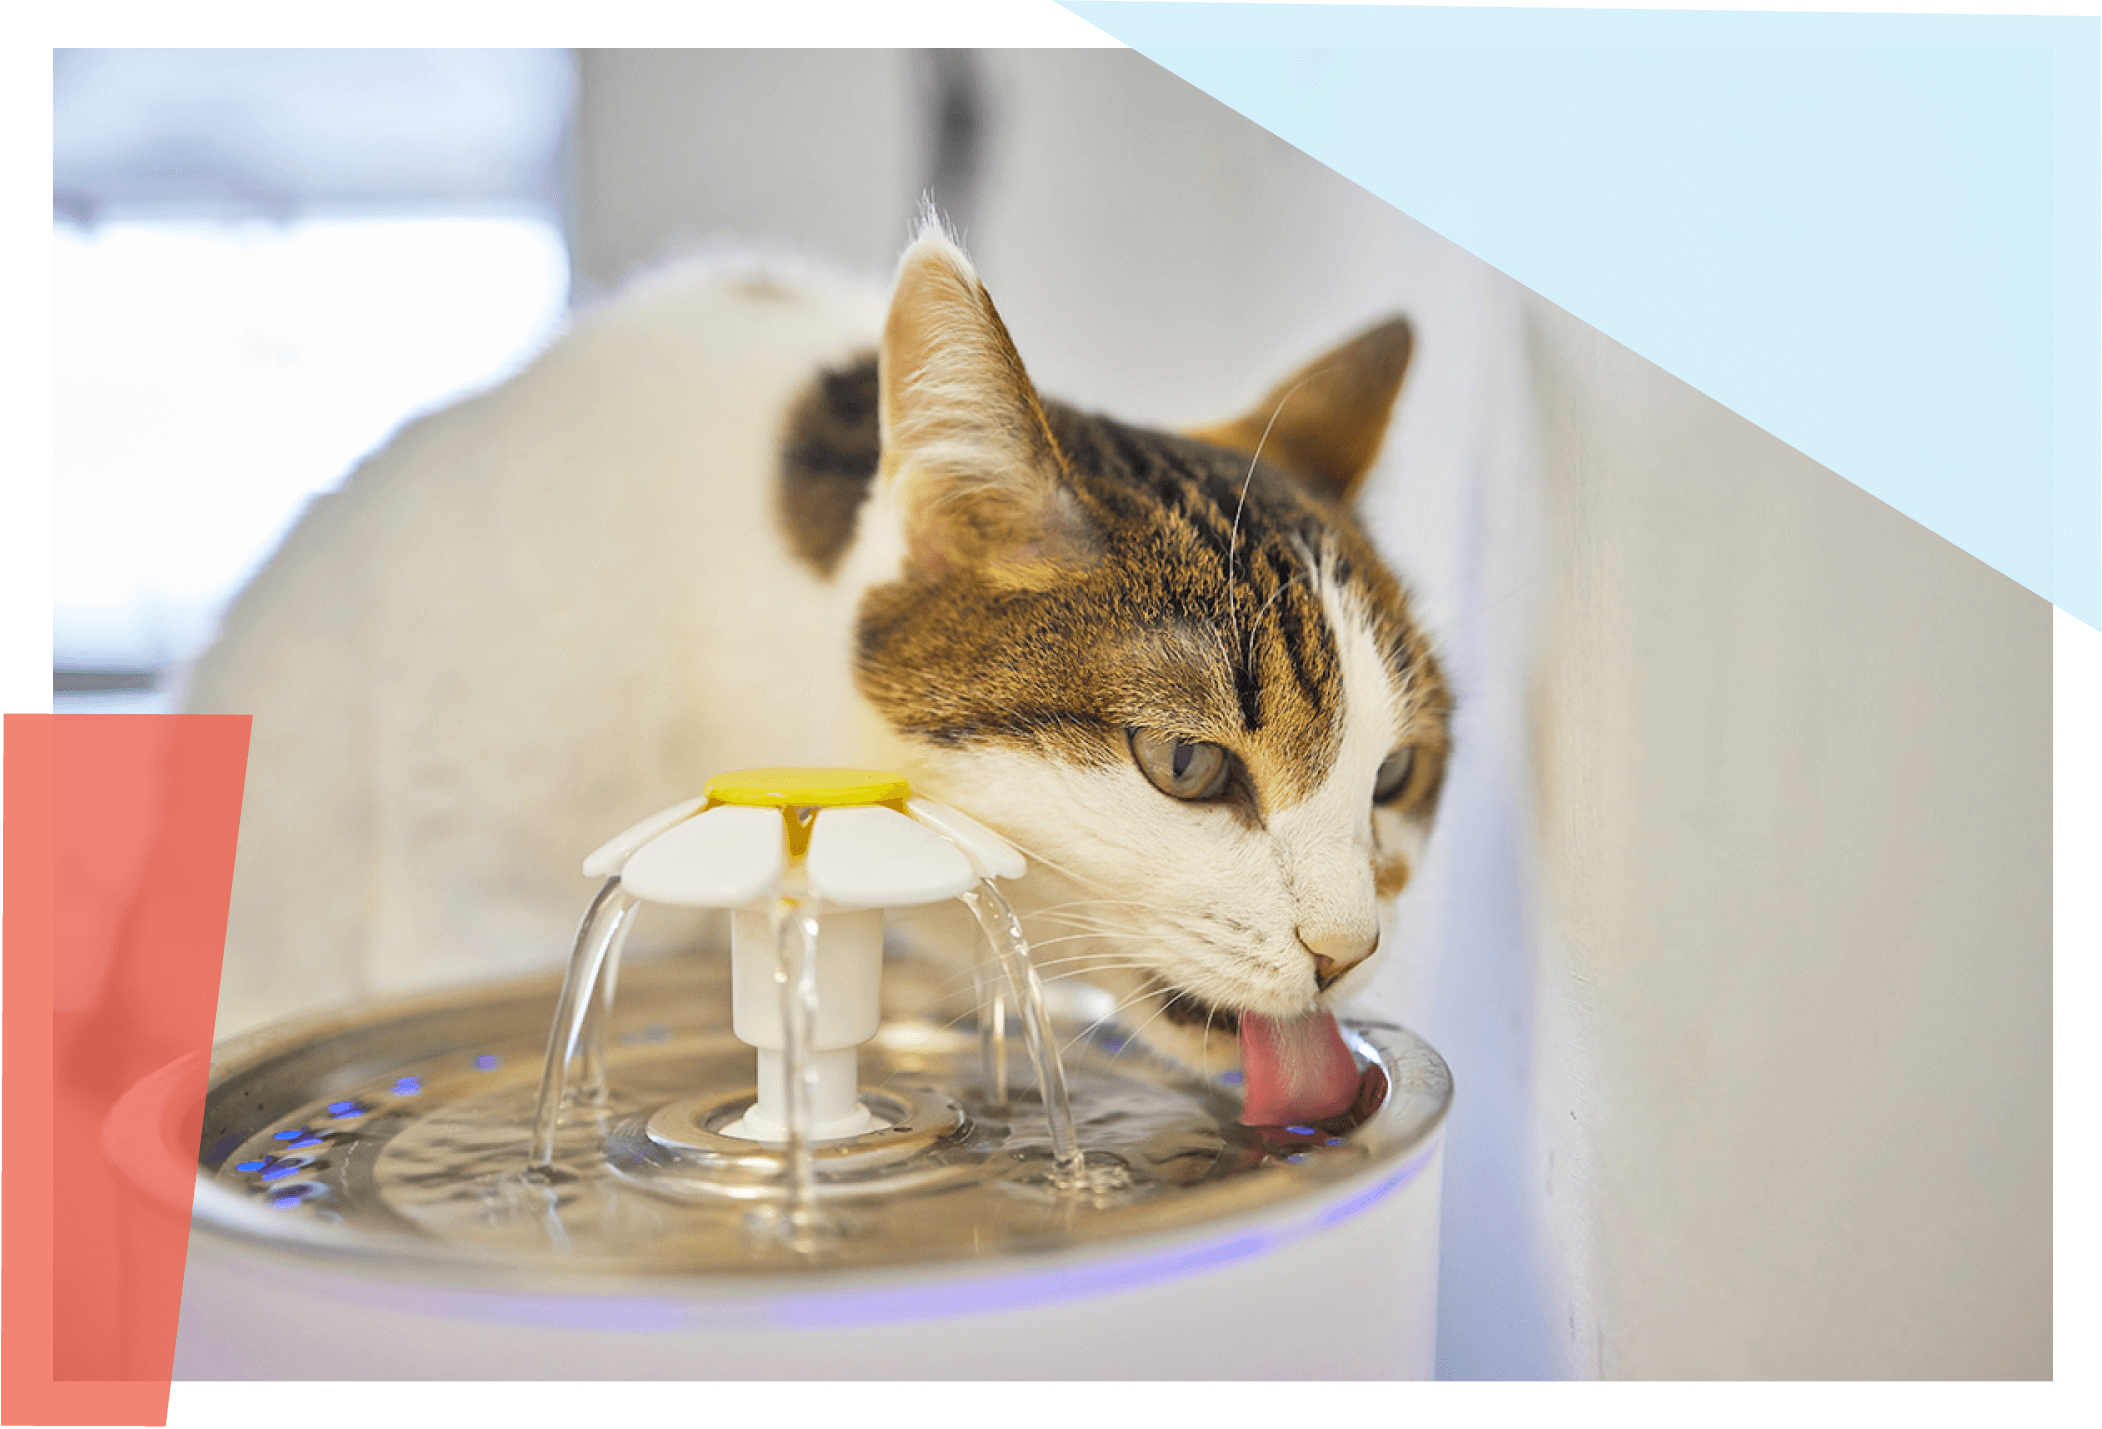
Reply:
x=1336 y=954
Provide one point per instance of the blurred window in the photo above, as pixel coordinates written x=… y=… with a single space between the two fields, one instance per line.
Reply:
x=266 y=261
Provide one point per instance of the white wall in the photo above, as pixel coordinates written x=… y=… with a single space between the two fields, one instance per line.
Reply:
x=1792 y=1092
x=822 y=150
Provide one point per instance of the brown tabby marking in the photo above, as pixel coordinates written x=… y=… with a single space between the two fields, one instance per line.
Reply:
x=1199 y=616
x=828 y=455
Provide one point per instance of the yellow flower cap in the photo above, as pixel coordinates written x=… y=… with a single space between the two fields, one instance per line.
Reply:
x=808 y=788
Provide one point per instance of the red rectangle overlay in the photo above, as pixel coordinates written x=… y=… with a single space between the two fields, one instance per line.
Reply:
x=119 y=854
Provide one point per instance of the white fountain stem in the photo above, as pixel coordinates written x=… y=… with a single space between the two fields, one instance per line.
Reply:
x=849 y=971
x=835 y=1104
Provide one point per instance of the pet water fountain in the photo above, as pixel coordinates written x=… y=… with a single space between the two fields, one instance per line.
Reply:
x=784 y=1159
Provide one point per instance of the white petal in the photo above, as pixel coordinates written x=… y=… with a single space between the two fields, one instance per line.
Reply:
x=991 y=855
x=873 y=857
x=607 y=858
x=730 y=856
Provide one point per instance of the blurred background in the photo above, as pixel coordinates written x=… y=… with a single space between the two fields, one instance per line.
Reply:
x=1735 y=927
x=264 y=261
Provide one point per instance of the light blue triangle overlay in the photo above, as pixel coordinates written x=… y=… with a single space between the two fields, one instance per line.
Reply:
x=1879 y=237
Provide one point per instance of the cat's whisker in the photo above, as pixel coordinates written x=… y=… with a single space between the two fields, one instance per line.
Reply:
x=1255 y=625
x=1091 y=957
x=1086 y=974
x=1078 y=965
x=958 y=982
x=1107 y=949
x=969 y=1014
x=1069 y=936
x=1233 y=540
x=1094 y=903
x=1133 y=1034
x=1109 y=932
x=1083 y=925
x=1091 y=923
x=1099 y=935
x=1113 y=940
x=1122 y=1004
x=1103 y=910
x=1082 y=967
x=1036 y=857
x=1099 y=905
x=1084 y=1033
x=1036 y=944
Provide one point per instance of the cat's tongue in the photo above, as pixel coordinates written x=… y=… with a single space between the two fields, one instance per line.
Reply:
x=1294 y=1071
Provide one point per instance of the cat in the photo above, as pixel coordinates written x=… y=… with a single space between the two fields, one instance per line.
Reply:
x=754 y=515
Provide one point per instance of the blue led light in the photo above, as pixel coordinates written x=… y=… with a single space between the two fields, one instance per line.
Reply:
x=293 y=1135
x=486 y=1062
x=1231 y=1079
x=1363 y=1201
x=1300 y=1130
x=408 y=1086
x=310 y=1141
x=281 y=1202
x=253 y=1165
x=281 y=1170
x=345 y=1109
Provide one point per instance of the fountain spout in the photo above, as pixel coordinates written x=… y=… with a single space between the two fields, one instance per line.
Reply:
x=806 y=860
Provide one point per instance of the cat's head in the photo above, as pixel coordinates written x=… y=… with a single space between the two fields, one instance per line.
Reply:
x=1171 y=667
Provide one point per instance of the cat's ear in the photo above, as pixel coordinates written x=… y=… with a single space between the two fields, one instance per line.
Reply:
x=978 y=477
x=1325 y=422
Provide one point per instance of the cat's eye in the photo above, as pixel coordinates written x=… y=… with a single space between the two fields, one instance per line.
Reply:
x=1393 y=777
x=1181 y=768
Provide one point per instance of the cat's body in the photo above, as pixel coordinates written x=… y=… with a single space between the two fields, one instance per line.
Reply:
x=666 y=550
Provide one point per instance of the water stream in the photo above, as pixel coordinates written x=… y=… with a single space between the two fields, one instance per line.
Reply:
x=575 y=1073
x=795 y=939
x=1004 y=932
x=599 y=938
